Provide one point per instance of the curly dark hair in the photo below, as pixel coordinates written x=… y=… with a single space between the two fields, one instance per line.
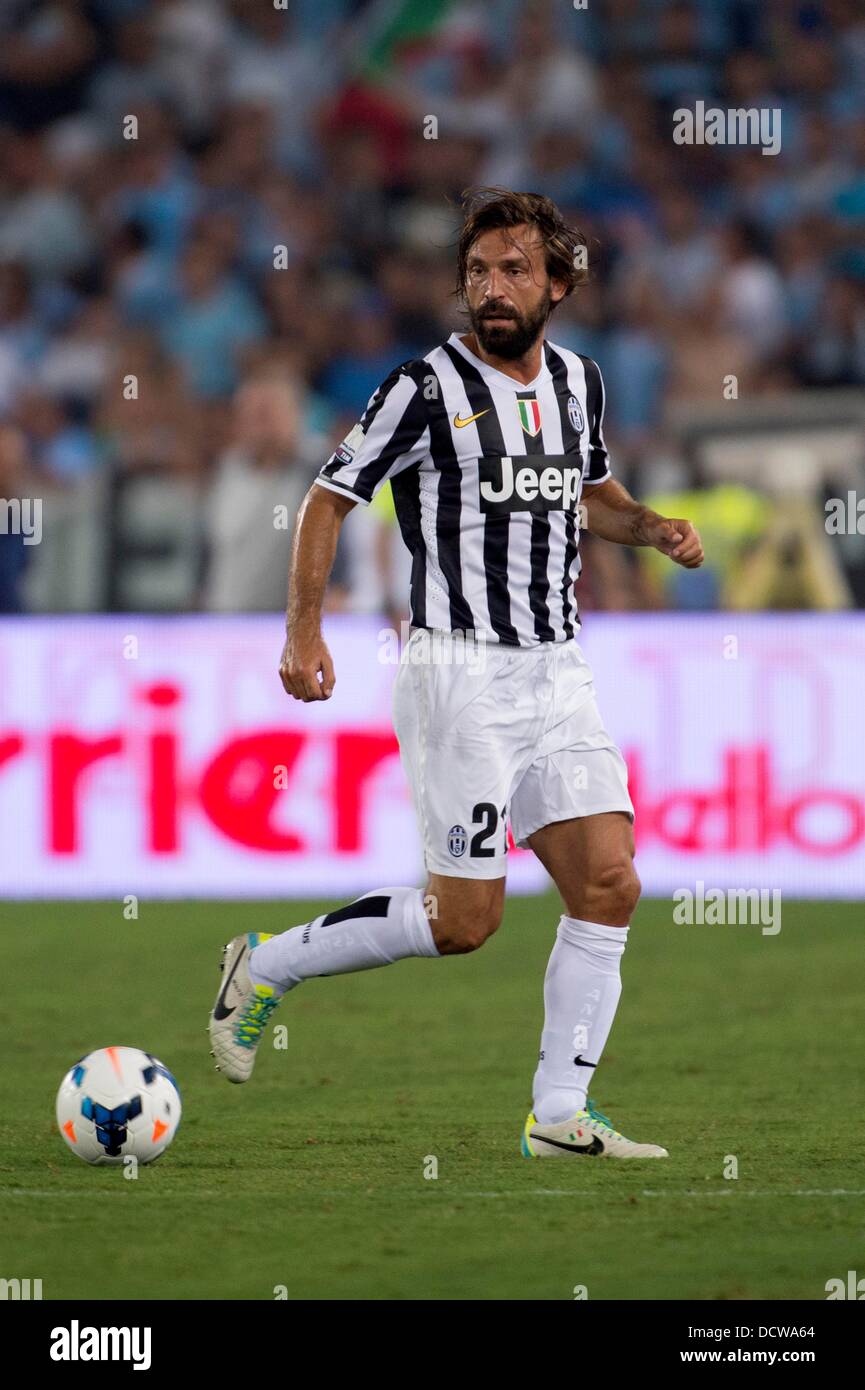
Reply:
x=487 y=209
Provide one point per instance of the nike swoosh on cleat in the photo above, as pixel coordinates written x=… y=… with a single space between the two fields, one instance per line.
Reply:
x=218 y=1011
x=461 y=423
x=596 y=1146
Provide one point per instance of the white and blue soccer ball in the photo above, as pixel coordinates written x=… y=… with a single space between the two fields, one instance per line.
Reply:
x=118 y=1102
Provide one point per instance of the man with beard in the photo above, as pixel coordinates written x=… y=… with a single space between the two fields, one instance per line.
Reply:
x=493 y=444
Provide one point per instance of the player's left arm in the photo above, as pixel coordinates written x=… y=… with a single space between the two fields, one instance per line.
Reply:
x=609 y=510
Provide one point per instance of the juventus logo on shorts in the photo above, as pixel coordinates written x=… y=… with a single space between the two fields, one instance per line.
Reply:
x=457 y=841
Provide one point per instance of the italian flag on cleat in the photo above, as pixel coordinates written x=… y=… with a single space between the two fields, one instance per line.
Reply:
x=587 y=1134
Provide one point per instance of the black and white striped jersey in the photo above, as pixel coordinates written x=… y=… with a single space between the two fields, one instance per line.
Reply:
x=487 y=476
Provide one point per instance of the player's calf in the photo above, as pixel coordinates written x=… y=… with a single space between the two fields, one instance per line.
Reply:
x=464 y=913
x=462 y=933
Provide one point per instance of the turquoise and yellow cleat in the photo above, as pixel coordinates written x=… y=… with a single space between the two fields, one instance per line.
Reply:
x=587 y=1133
x=242 y=1010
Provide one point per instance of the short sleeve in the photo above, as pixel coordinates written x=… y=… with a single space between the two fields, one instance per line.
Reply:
x=598 y=466
x=391 y=436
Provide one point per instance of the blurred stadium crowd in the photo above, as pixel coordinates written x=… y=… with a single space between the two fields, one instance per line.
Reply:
x=164 y=384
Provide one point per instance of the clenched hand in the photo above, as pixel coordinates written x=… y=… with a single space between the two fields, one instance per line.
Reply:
x=304 y=660
x=676 y=538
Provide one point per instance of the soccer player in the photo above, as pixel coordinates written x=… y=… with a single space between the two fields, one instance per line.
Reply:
x=493 y=445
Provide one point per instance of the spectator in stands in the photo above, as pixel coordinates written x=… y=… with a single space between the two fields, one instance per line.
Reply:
x=146 y=415
x=43 y=225
x=13 y=486
x=751 y=298
x=215 y=319
x=684 y=258
x=22 y=334
x=369 y=354
x=63 y=451
x=834 y=352
x=257 y=488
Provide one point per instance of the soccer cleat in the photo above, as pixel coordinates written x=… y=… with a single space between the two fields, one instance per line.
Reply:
x=588 y=1132
x=241 y=1011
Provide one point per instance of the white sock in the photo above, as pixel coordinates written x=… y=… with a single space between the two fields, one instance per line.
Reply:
x=379 y=928
x=581 y=992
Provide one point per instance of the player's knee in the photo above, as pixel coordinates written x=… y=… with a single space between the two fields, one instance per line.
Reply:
x=459 y=932
x=612 y=894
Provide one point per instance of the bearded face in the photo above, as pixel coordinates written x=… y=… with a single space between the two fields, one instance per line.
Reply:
x=503 y=330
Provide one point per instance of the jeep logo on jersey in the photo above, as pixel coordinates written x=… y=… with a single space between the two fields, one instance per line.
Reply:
x=537 y=483
x=457 y=841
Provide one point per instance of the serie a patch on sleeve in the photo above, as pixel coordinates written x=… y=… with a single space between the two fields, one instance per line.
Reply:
x=346 y=451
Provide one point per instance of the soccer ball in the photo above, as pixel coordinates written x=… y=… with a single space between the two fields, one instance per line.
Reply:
x=118 y=1102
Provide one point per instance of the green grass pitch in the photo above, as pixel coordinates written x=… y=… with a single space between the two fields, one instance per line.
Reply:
x=311 y=1177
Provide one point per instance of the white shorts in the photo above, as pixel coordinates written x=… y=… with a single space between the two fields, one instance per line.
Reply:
x=489 y=733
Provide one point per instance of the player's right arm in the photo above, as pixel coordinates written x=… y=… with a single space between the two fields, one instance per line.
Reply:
x=305 y=656
x=392 y=435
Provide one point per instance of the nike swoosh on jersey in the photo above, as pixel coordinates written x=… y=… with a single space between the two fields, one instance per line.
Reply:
x=459 y=423
x=219 y=1011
